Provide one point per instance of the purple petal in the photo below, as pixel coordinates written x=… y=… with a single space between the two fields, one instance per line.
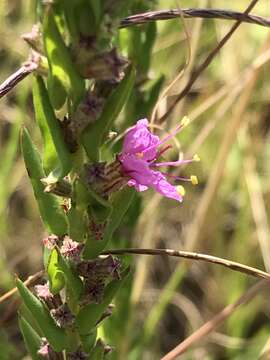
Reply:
x=137 y=186
x=143 y=177
x=138 y=139
x=168 y=190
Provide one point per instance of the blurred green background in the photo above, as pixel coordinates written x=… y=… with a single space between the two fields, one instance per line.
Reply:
x=226 y=215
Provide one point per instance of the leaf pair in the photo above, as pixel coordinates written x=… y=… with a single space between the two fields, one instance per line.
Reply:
x=53 y=333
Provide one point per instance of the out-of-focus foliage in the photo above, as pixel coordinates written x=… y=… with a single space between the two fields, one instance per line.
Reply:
x=234 y=220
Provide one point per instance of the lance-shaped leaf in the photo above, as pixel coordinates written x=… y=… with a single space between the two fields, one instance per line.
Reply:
x=55 y=273
x=31 y=338
x=43 y=109
x=63 y=78
x=120 y=204
x=61 y=273
x=93 y=136
x=55 y=149
x=70 y=16
x=86 y=20
x=54 y=334
x=90 y=314
x=96 y=9
x=73 y=281
x=140 y=42
x=77 y=224
x=51 y=213
x=98 y=352
x=89 y=340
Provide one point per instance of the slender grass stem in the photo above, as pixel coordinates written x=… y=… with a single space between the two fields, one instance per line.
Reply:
x=233 y=265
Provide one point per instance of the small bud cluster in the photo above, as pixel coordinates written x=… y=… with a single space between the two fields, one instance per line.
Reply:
x=97 y=273
x=104 y=178
x=93 y=63
x=46 y=352
x=71 y=250
x=63 y=316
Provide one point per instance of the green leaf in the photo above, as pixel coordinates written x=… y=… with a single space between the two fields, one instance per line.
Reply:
x=77 y=225
x=96 y=9
x=63 y=79
x=89 y=340
x=98 y=352
x=90 y=314
x=54 y=334
x=121 y=201
x=53 y=141
x=60 y=273
x=31 y=338
x=70 y=16
x=55 y=273
x=74 y=283
x=86 y=21
x=145 y=55
x=94 y=134
x=41 y=106
x=51 y=213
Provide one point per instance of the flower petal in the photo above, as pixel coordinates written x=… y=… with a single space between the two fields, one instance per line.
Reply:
x=137 y=186
x=143 y=177
x=138 y=139
x=168 y=190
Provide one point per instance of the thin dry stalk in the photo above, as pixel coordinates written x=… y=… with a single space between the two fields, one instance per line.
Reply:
x=232 y=90
x=25 y=70
x=179 y=75
x=146 y=17
x=148 y=223
x=28 y=282
x=232 y=265
x=216 y=321
x=194 y=76
x=258 y=207
x=234 y=86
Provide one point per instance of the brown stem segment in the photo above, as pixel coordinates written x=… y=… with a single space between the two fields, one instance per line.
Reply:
x=28 y=282
x=16 y=77
x=216 y=321
x=235 y=266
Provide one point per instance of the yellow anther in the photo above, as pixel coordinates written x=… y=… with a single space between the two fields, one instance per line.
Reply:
x=196 y=157
x=181 y=190
x=185 y=121
x=194 y=180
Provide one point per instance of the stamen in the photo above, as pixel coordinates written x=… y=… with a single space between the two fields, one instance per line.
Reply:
x=173 y=163
x=194 y=180
x=181 y=190
x=168 y=137
x=196 y=157
x=190 y=179
x=162 y=151
x=185 y=121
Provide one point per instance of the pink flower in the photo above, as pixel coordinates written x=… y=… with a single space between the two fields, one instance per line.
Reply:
x=43 y=292
x=138 y=159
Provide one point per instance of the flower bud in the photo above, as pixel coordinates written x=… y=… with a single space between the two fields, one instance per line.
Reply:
x=71 y=250
x=63 y=316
